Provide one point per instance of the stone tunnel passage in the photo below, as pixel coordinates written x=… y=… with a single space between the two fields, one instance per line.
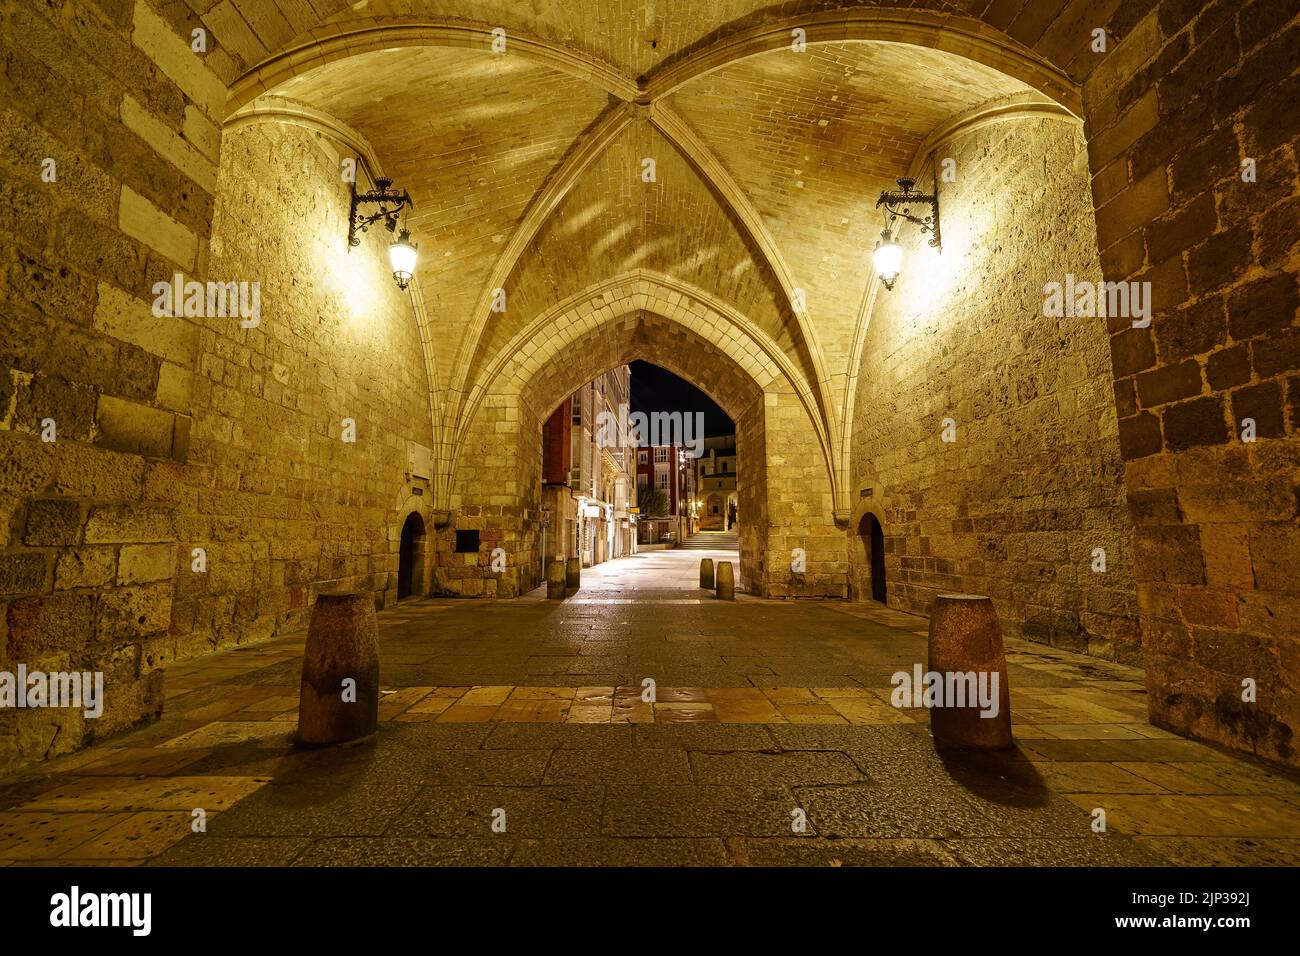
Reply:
x=176 y=490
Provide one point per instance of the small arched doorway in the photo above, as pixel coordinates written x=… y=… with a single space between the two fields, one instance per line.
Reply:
x=873 y=538
x=410 y=560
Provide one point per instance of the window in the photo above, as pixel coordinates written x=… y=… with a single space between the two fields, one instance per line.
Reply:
x=643 y=481
x=466 y=542
x=642 y=457
x=661 y=454
x=663 y=480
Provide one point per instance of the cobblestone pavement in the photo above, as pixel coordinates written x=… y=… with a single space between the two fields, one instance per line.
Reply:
x=765 y=712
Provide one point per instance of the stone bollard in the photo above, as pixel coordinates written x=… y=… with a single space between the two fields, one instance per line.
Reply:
x=340 y=647
x=555 y=580
x=965 y=638
x=706 y=573
x=573 y=574
x=726 y=582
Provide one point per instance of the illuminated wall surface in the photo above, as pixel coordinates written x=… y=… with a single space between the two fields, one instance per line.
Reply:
x=177 y=478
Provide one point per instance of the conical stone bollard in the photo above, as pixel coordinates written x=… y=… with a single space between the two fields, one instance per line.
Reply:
x=339 y=700
x=726 y=581
x=555 y=587
x=706 y=573
x=573 y=574
x=965 y=638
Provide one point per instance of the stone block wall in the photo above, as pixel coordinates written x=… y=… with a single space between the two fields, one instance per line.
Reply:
x=1016 y=506
x=1194 y=97
x=751 y=494
x=799 y=506
x=497 y=492
x=109 y=144
x=281 y=502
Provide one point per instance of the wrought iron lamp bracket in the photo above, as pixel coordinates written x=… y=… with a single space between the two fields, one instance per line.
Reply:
x=390 y=204
x=898 y=203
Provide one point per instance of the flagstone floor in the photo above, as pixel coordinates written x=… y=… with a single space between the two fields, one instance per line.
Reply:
x=530 y=713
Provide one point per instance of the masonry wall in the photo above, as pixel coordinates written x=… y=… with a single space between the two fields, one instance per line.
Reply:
x=109 y=142
x=799 y=512
x=496 y=490
x=751 y=495
x=283 y=504
x=1016 y=506
x=1193 y=92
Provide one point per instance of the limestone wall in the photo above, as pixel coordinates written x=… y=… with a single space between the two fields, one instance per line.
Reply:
x=109 y=143
x=799 y=506
x=497 y=492
x=1016 y=506
x=1191 y=138
x=283 y=504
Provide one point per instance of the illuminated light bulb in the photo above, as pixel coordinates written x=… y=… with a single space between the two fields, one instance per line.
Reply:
x=887 y=259
x=402 y=254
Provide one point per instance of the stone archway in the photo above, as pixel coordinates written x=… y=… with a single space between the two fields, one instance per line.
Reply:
x=520 y=405
x=785 y=497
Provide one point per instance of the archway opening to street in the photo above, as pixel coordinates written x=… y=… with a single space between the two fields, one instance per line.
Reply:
x=640 y=463
x=566 y=353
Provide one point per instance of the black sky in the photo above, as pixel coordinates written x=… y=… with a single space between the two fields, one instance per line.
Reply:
x=657 y=390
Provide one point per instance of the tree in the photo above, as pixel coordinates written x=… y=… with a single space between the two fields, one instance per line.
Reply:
x=653 y=502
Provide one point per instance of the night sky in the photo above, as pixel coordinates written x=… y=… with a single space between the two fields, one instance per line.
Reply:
x=657 y=390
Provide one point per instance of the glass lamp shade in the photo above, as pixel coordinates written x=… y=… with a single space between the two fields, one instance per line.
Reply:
x=402 y=255
x=887 y=259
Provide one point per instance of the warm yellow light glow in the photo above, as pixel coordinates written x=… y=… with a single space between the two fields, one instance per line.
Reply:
x=351 y=276
x=402 y=254
x=887 y=259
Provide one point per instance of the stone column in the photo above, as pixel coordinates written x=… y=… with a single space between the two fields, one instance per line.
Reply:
x=573 y=573
x=555 y=586
x=340 y=671
x=726 y=581
x=965 y=638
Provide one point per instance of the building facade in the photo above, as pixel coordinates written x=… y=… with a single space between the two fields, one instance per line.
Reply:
x=669 y=469
x=587 y=484
x=715 y=484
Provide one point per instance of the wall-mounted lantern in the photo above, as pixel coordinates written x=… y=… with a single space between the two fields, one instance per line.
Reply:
x=888 y=255
x=402 y=253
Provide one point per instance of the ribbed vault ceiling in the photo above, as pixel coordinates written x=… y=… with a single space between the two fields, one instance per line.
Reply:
x=809 y=139
x=526 y=167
